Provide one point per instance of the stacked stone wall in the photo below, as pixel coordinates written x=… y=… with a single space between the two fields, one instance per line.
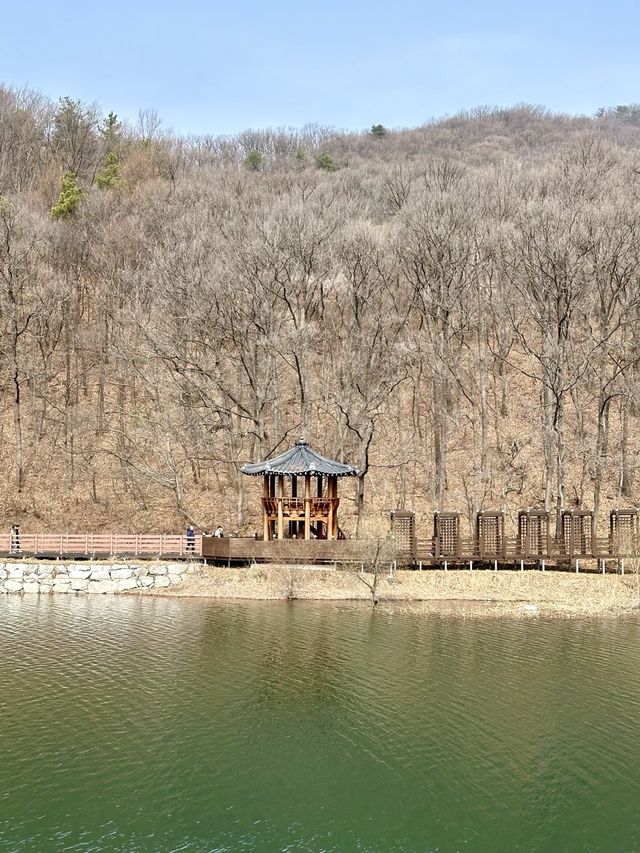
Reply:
x=89 y=578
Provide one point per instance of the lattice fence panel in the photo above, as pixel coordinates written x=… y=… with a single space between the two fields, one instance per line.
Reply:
x=403 y=527
x=447 y=533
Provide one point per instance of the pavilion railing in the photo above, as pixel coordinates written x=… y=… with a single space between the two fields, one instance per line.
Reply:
x=296 y=506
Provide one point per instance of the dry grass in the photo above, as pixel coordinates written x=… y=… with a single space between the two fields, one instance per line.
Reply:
x=526 y=593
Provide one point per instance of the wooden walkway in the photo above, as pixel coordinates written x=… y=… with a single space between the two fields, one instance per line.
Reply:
x=94 y=545
x=574 y=541
x=448 y=549
x=239 y=550
x=427 y=554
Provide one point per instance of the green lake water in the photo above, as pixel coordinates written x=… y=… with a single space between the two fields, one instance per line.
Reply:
x=132 y=724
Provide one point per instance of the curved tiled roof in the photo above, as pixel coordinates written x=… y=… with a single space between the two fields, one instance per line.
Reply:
x=300 y=459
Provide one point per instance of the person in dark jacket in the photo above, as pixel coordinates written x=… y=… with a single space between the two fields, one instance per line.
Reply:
x=191 y=539
x=15 y=539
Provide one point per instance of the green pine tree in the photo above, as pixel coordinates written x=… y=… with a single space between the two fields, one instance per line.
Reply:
x=253 y=161
x=111 y=130
x=109 y=174
x=69 y=198
x=325 y=162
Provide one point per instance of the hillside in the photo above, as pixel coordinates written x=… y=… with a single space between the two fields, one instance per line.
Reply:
x=455 y=308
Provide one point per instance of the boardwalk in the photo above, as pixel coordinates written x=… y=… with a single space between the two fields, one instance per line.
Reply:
x=100 y=545
x=572 y=545
x=575 y=539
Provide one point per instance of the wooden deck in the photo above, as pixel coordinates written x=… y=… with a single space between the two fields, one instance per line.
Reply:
x=604 y=553
x=237 y=551
x=234 y=551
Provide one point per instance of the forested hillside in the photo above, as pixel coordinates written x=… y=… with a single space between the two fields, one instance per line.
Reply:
x=454 y=308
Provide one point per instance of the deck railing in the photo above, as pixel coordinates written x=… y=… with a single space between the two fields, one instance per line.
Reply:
x=429 y=551
x=467 y=549
x=102 y=544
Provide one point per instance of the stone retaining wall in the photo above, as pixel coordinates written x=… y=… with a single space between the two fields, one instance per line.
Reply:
x=45 y=578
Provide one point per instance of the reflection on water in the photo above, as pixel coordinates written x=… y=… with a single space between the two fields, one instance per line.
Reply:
x=163 y=725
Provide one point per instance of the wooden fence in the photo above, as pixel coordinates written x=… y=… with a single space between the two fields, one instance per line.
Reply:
x=512 y=551
x=101 y=545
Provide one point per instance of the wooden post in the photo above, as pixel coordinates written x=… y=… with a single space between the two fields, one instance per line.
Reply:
x=330 y=521
x=307 y=506
x=266 y=527
x=280 y=515
x=321 y=525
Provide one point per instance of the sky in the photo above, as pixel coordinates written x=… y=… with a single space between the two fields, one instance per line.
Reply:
x=222 y=67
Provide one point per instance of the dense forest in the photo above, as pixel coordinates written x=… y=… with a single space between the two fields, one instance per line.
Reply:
x=454 y=308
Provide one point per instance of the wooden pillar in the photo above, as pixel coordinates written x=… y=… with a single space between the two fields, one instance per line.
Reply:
x=294 y=527
x=266 y=527
x=332 y=522
x=613 y=518
x=280 y=515
x=320 y=525
x=307 y=506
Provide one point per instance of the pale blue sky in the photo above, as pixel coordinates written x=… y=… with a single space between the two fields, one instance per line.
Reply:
x=222 y=67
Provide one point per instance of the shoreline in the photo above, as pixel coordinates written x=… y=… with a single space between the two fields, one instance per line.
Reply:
x=479 y=592
x=529 y=593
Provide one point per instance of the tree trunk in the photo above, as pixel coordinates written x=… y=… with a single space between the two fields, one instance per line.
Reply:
x=363 y=468
x=626 y=472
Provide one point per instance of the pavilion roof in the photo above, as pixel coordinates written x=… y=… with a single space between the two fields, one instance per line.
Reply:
x=300 y=459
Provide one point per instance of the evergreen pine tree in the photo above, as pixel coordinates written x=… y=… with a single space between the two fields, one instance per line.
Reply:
x=108 y=175
x=69 y=198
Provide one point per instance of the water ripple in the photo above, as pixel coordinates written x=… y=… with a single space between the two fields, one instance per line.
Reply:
x=150 y=725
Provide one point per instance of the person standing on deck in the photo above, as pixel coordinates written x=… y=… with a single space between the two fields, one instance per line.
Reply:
x=218 y=532
x=191 y=539
x=14 y=545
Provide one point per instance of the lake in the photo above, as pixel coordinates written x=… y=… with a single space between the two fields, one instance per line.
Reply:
x=148 y=724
